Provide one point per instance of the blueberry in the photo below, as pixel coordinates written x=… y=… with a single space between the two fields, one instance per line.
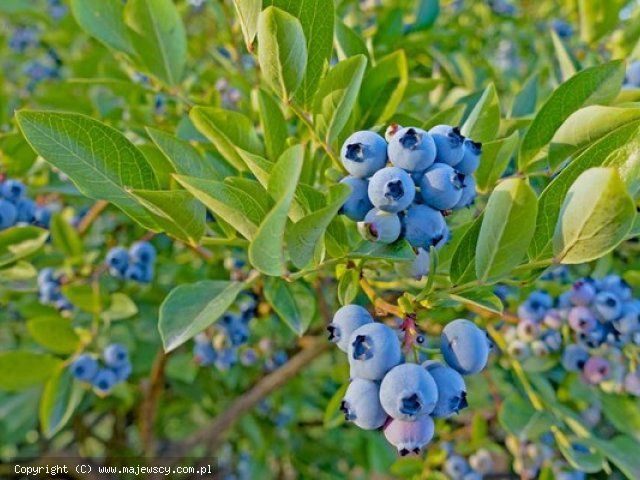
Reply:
x=345 y=321
x=84 y=368
x=8 y=214
x=26 y=210
x=361 y=404
x=441 y=187
x=455 y=466
x=49 y=293
x=248 y=357
x=449 y=144
x=553 y=319
x=607 y=306
x=203 y=352
x=464 y=346
x=104 y=380
x=616 y=285
x=380 y=226
x=574 y=358
x=13 y=190
x=582 y=293
x=374 y=349
x=471 y=157
x=596 y=370
x=42 y=217
x=142 y=252
x=481 y=461
x=629 y=320
x=115 y=355
x=519 y=350
x=452 y=391
x=535 y=307
x=552 y=339
x=123 y=371
x=408 y=392
x=417 y=268
x=409 y=437
x=137 y=272
x=226 y=359
x=469 y=193
x=581 y=319
x=412 y=149
x=47 y=275
x=391 y=189
x=527 y=330
x=425 y=227
x=358 y=203
x=118 y=259
x=539 y=348
x=364 y=153
x=63 y=304
x=562 y=28
x=633 y=74
x=238 y=334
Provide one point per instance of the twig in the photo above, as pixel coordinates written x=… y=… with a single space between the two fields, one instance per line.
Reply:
x=150 y=403
x=378 y=302
x=93 y=213
x=213 y=435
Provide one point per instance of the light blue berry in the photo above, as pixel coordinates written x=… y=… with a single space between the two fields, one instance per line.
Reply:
x=380 y=226
x=629 y=320
x=469 y=193
x=391 y=189
x=582 y=293
x=118 y=259
x=248 y=357
x=142 y=252
x=47 y=275
x=425 y=227
x=364 y=153
x=410 y=437
x=225 y=359
x=346 y=321
x=13 y=190
x=574 y=358
x=441 y=187
x=358 y=203
x=123 y=371
x=452 y=391
x=535 y=307
x=361 y=404
x=374 y=349
x=412 y=149
x=616 y=285
x=519 y=350
x=449 y=144
x=581 y=319
x=464 y=346
x=607 y=306
x=417 y=268
x=633 y=74
x=84 y=368
x=42 y=216
x=408 y=392
x=115 y=355
x=596 y=370
x=8 y=214
x=104 y=380
x=26 y=210
x=49 y=293
x=456 y=467
x=471 y=157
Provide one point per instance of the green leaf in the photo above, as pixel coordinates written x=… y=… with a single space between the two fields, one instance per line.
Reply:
x=483 y=122
x=248 y=11
x=84 y=297
x=400 y=250
x=294 y=303
x=60 y=398
x=162 y=168
x=282 y=50
x=484 y=298
x=515 y=414
x=159 y=37
x=54 y=333
x=495 y=160
x=64 y=237
x=623 y=412
x=589 y=462
x=274 y=125
x=348 y=286
x=464 y=258
x=178 y=212
x=619 y=149
x=229 y=132
x=317 y=20
x=426 y=14
x=303 y=236
x=507 y=228
x=121 y=307
x=22 y=370
x=585 y=127
x=190 y=308
x=568 y=65
x=622 y=451
x=598 y=18
x=20 y=242
x=595 y=85
x=525 y=101
x=266 y=251
x=337 y=95
x=348 y=42
x=184 y=158
x=99 y=160
x=103 y=20
x=383 y=88
x=596 y=216
x=234 y=205
x=333 y=416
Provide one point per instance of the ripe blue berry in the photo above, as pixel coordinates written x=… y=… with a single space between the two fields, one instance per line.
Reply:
x=84 y=368
x=203 y=352
x=42 y=217
x=412 y=149
x=469 y=193
x=410 y=437
x=456 y=467
x=47 y=275
x=441 y=187
x=582 y=293
x=118 y=260
x=452 y=391
x=142 y=252
x=425 y=227
x=358 y=203
x=535 y=307
x=449 y=144
x=629 y=320
x=408 y=392
x=391 y=189
x=361 y=404
x=581 y=319
x=115 y=355
x=633 y=74
x=104 y=380
x=616 y=285
x=471 y=157
x=417 y=268
x=8 y=214
x=346 y=321
x=248 y=357
x=26 y=210
x=49 y=293
x=464 y=346
x=225 y=359
x=607 y=306
x=374 y=349
x=13 y=190
x=380 y=226
x=574 y=358
x=562 y=28
x=519 y=350
x=364 y=153
x=123 y=371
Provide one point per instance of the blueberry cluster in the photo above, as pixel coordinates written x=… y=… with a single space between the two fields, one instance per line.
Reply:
x=588 y=326
x=430 y=174
x=530 y=457
x=24 y=38
x=49 y=291
x=115 y=368
x=136 y=264
x=474 y=468
x=229 y=96
x=226 y=344
x=632 y=77
x=16 y=208
x=400 y=397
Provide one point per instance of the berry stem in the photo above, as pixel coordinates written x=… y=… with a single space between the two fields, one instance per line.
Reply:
x=378 y=302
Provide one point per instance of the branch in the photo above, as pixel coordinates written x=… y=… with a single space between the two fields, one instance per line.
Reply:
x=93 y=213
x=150 y=403
x=378 y=302
x=213 y=435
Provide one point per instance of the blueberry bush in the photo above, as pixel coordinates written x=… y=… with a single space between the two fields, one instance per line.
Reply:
x=322 y=238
